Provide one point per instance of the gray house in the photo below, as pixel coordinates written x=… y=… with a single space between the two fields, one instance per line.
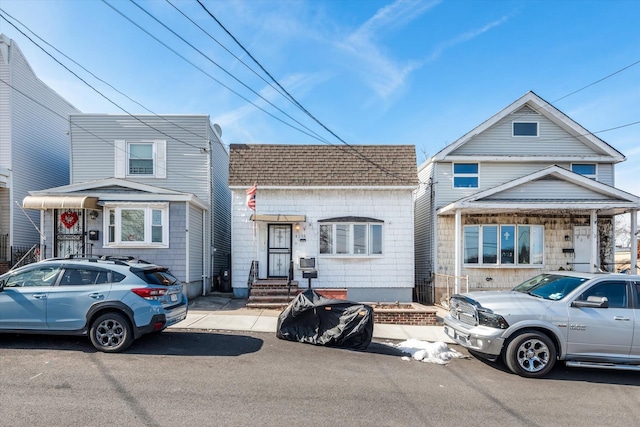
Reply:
x=34 y=148
x=149 y=187
x=528 y=190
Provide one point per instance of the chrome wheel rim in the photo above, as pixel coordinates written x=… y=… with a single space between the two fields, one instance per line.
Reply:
x=110 y=333
x=533 y=355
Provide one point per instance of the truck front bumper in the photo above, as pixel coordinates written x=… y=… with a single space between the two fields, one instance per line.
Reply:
x=481 y=339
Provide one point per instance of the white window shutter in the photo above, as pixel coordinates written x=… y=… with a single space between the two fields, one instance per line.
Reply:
x=161 y=159
x=120 y=158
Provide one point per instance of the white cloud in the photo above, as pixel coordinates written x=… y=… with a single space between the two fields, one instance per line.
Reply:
x=465 y=37
x=375 y=67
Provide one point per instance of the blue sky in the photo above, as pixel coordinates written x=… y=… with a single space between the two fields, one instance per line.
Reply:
x=374 y=72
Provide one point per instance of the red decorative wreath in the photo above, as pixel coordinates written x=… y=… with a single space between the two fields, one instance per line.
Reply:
x=68 y=219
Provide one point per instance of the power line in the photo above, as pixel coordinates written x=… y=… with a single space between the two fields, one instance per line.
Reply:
x=293 y=99
x=310 y=133
x=93 y=75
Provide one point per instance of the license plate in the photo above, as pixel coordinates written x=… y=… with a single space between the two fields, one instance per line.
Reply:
x=173 y=297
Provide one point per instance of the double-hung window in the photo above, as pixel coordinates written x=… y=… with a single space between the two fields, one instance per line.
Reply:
x=504 y=244
x=353 y=236
x=465 y=175
x=140 y=159
x=137 y=225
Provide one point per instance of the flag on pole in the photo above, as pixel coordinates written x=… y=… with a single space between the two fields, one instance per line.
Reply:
x=251 y=196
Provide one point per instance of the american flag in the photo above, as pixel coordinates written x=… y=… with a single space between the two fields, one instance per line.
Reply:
x=251 y=196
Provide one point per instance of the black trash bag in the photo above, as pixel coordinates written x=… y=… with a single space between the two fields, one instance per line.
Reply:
x=314 y=319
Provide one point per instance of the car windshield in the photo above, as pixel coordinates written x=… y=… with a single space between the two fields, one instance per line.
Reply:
x=550 y=286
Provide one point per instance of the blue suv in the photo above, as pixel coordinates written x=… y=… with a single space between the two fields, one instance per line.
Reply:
x=114 y=301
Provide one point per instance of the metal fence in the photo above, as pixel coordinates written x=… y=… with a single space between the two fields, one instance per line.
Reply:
x=23 y=255
x=4 y=248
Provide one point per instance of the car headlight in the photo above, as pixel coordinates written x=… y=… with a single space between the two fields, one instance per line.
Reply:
x=488 y=318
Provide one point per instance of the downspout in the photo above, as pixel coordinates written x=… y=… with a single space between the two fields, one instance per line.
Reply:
x=204 y=254
x=187 y=244
x=634 y=242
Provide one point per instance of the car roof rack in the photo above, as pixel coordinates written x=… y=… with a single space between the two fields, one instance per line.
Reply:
x=119 y=260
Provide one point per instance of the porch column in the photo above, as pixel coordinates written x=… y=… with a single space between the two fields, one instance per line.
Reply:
x=594 y=265
x=457 y=248
x=634 y=242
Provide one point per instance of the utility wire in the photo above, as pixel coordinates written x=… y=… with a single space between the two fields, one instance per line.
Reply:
x=309 y=133
x=96 y=90
x=293 y=99
x=66 y=118
x=95 y=76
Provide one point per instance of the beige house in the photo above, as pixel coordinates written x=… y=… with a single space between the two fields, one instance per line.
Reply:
x=528 y=190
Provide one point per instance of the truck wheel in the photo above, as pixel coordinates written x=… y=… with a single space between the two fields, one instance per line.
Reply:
x=530 y=354
x=111 y=333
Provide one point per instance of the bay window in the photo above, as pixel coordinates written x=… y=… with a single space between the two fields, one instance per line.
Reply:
x=137 y=225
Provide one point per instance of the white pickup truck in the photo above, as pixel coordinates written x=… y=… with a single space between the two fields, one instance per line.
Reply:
x=585 y=320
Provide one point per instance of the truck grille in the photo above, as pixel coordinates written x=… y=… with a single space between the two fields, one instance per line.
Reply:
x=463 y=311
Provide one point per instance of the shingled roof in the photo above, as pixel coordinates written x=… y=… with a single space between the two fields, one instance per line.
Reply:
x=322 y=165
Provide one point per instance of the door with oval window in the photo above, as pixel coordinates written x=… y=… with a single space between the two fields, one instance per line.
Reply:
x=69 y=227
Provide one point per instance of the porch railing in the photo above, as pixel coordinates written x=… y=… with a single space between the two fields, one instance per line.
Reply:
x=253 y=275
x=24 y=255
x=4 y=248
x=446 y=285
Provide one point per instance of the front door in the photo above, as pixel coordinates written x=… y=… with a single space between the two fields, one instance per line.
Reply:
x=279 y=250
x=69 y=226
x=582 y=248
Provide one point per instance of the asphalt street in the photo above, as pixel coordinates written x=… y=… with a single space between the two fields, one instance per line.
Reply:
x=207 y=378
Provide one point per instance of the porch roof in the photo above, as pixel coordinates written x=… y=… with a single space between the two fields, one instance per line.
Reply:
x=278 y=217
x=60 y=202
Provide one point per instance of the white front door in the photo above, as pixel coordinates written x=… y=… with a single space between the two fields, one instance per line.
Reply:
x=582 y=248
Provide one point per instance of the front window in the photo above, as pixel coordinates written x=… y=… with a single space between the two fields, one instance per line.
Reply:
x=140 y=158
x=465 y=175
x=137 y=225
x=504 y=244
x=360 y=239
x=525 y=128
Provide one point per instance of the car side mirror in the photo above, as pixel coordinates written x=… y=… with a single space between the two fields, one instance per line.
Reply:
x=592 y=302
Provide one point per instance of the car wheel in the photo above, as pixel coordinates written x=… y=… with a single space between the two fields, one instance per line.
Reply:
x=530 y=354
x=111 y=333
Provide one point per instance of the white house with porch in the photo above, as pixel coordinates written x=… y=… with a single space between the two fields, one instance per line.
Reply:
x=528 y=190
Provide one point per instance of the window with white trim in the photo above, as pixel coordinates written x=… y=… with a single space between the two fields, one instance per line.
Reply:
x=140 y=159
x=137 y=225
x=351 y=238
x=514 y=245
x=465 y=175
x=587 y=169
x=525 y=128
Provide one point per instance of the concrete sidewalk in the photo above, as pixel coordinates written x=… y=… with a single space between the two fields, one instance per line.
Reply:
x=215 y=312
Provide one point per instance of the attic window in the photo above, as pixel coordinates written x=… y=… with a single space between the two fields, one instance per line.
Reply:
x=525 y=128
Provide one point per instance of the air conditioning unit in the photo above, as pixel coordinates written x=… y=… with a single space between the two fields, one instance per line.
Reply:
x=307 y=263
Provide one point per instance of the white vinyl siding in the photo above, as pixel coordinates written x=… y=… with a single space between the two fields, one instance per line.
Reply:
x=497 y=173
x=552 y=141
